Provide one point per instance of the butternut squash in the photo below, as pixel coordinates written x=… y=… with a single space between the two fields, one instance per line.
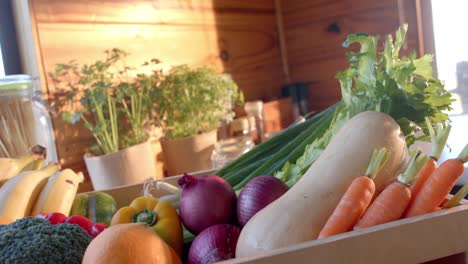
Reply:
x=300 y=213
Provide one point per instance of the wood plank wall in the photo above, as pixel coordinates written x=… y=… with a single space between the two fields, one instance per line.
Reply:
x=315 y=53
x=239 y=36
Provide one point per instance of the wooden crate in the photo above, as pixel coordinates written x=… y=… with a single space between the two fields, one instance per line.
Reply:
x=439 y=237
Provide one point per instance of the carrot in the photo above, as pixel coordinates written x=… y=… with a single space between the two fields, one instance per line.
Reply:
x=422 y=176
x=443 y=202
x=389 y=182
x=457 y=198
x=391 y=203
x=356 y=199
x=439 y=138
x=438 y=185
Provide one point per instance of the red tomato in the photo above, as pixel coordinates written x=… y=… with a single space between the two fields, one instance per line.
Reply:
x=97 y=229
x=53 y=218
x=82 y=221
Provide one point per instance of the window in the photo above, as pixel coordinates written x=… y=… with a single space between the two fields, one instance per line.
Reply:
x=2 y=69
x=451 y=48
x=451 y=44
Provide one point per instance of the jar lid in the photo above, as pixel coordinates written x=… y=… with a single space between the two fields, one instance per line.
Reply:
x=240 y=124
x=14 y=84
x=254 y=108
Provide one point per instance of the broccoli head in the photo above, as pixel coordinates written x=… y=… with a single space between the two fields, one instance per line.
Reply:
x=34 y=240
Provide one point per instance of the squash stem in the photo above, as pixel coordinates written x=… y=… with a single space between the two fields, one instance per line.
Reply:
x=378 y=159
x=439 y=138
x=463 y=156
x=415 y=164
x=457 y=198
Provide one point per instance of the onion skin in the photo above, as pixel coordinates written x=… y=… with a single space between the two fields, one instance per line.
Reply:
x=214 y=244
x=206 y=201
x=256 y=195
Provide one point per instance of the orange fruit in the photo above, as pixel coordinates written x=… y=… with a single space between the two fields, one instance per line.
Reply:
x=131 y=243
x=5 y=220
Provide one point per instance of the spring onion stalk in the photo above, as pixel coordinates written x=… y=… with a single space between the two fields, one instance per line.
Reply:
x=290 y=152
x=233 y=177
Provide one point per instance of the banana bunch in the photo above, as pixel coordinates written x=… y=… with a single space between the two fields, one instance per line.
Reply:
x=11 y=167
x=42 y=189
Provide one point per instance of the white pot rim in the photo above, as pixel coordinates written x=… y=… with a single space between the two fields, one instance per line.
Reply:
x=188 y=137
x=90 y=156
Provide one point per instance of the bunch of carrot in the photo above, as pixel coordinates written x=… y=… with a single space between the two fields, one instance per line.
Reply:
x=438 y=185
x=422 y=188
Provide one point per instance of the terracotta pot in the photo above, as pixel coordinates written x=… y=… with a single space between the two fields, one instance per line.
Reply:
x=127 y=166
x=188 y=154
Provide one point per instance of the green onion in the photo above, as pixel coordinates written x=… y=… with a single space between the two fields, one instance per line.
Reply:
x=291 y=151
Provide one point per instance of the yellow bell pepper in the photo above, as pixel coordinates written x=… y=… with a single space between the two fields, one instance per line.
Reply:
x=161 y=216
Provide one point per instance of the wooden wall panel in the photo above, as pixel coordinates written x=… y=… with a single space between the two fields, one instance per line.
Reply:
x=239 y=36
x=316 y=54
x=193 y=32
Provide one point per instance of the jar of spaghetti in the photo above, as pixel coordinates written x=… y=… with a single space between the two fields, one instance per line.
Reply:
x=24 y=119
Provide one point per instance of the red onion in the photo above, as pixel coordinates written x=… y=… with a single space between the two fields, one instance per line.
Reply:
x=214 y=244
x=206 y=201
x=256 y=195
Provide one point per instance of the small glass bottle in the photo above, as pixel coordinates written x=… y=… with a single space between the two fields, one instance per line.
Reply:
x=24 y=119
x=255 y=110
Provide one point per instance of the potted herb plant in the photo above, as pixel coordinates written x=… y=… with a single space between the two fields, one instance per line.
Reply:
x=115 y=105
x=190 y=105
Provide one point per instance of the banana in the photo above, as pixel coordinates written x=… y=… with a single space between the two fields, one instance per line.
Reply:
x=59 y=193
x=18 y=194
x=37 y=164
x=11 y=167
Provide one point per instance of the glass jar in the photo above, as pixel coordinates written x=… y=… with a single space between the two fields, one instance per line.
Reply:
x=239 y=142
x=255 y=110
x=24 y=119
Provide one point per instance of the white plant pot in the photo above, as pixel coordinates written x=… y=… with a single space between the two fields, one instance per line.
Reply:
x=127 y=166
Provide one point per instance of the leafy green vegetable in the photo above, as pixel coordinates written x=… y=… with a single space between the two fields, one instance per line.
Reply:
x=115 y=107
x=190 y=101
x=400 y=86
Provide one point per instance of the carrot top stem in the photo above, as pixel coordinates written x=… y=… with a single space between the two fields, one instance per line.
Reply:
x=378 y=159
x=439 y=138
x=416 y=162
x=463 y=156
x=456 y=199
